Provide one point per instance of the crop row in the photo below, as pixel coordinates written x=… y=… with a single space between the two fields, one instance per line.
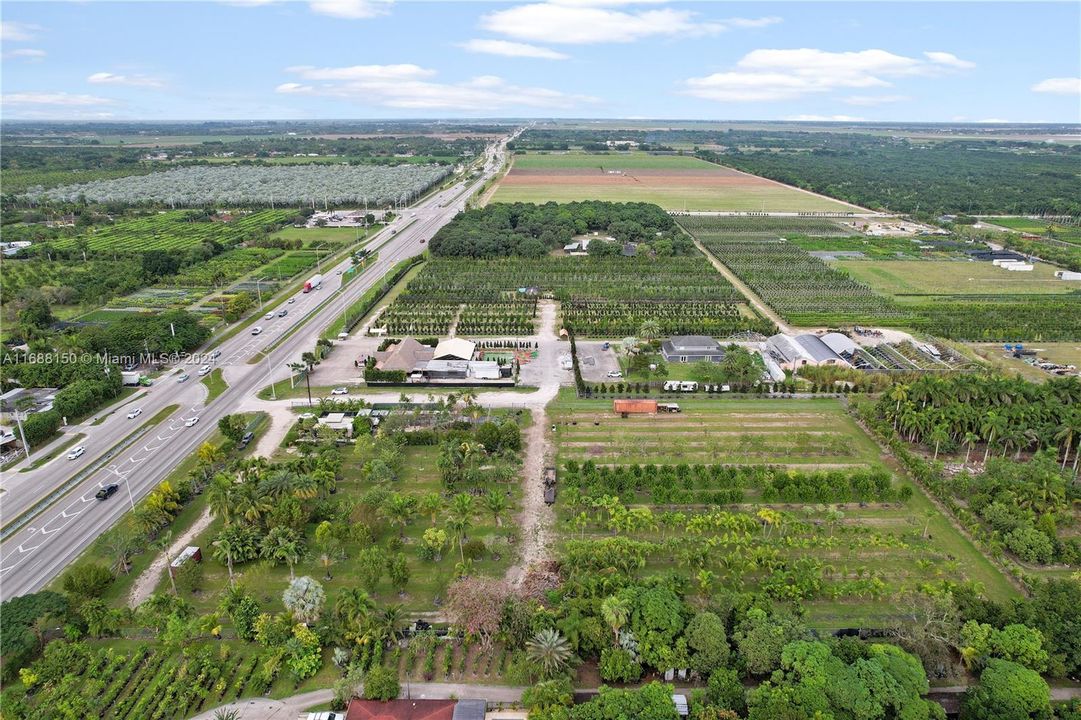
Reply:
x=804 y=289
x=621 y=318
x=174 y=231
x=699 y=225
x=257 y=185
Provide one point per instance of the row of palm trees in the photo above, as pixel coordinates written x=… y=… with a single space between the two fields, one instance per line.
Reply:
x=1005 y=414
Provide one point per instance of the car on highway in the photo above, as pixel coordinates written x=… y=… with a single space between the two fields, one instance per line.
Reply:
x=292 y=300
x=269 y=315
x=338 y=272
x=183 y=377
x=107 y=492
x=215 y=355
x=257 y=329
x=340 y=391
x=615 y=374
x=283 y=312
x=135 y=413
x=190 y=422
x=77 y=452
x=204 y=370
x=422 y=241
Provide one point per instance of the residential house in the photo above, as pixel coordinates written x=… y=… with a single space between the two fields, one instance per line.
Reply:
x=692 y=348
x=403 y=355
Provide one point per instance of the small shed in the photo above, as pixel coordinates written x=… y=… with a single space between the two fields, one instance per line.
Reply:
x=680 y=701
x=470 y=709
x=627 y=407
x=191 y=552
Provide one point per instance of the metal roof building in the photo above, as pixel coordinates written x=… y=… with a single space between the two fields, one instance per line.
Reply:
x=793 y=352
x=454 y=349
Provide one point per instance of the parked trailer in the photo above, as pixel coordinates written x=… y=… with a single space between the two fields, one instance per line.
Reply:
x=314 y=283
x=130 y=378
x=669 y=407
x=549 y=485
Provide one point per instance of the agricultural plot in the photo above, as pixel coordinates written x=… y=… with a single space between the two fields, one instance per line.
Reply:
x=802 y=288
x=754 y=226
x=1040 y=226
x=910 y=279
x=256 y=185
x=174 y=231
x=789 y=498
x=600 y=296
x=879 y=248
x=224 y=268
x=671 y=181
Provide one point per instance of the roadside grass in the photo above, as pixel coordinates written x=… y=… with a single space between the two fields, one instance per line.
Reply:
x=215 y=385
x=54 y=453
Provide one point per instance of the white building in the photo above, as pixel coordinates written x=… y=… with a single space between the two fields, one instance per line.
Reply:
x=454 y=349
x=793 y=352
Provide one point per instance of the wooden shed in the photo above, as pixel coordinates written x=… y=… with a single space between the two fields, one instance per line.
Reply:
x=627 y=407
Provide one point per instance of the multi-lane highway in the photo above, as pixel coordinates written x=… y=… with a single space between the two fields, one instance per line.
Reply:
x=53 y=537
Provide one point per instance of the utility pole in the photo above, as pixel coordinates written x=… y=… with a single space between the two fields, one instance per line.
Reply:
x=22 y=435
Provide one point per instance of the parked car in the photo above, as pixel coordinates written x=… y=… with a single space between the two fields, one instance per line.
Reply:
x=190 y=422
x=615 y=374
x=76 y=452
x=135 y=413
x=130 y=366
x=340 y=391
x=248 y=437
x=107 y=492
x=183 y=377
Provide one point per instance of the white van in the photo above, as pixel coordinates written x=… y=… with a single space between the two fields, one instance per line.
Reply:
x=688 y=387
x=671 y=385
x=257 y=329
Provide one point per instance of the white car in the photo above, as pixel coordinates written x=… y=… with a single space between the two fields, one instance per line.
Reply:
x=340 y=391
x=257 y=330
x=77 y=452
x=205 y=369
x=292 y=300
x=190 y=422
x=269 y=315
x=135 y=413
x=183 y=377
x=615 y=374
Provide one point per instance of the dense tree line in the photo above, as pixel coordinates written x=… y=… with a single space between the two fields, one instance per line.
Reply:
x=534 y=230
x=901 y=176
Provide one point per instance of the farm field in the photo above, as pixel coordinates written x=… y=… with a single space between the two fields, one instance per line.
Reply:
x=902 y=278
x=600 y=296
x=852 y=537
x=673 y=182
x=251 y=184
x=1039 y=226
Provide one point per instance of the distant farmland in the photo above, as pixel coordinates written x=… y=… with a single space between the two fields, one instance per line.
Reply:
x=674 y=182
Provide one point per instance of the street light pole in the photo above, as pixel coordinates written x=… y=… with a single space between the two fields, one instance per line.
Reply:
x=127 y=484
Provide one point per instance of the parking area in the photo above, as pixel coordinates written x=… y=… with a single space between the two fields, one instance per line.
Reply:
x=595 y=361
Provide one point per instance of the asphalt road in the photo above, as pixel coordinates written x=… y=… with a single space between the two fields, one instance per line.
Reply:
x=39 y=551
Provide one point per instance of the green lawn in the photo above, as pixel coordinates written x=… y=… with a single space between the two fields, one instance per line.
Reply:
x=215 y=385
x=949 y=277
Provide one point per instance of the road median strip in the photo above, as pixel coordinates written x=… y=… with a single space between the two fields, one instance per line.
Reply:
x=43 y=504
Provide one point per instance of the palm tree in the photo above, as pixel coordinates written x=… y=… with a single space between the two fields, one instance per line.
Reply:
x=283 y=544
x=353 y=609
x=971 y=439
x=992 y=423
x=163 y=543
x=209 y=456
x=615 y=611
x=430 y=505
x=251 y=503
x=221 y=497
x=649 y=329
x=550 y=650
x=399 y=510
x=938 y=436
x=224 y=552
x=459 y=526
x=495 y=502
x=310 y=361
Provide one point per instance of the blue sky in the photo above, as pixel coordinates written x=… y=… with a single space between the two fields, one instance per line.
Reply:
x=916 y=61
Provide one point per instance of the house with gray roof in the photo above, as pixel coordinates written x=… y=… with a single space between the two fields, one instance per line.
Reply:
x=692 y=348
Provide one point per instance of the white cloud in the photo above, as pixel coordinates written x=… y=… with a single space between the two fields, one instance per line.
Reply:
x=28 y=53
x=408 y=86
x=770 y=74
x=17 y=32
x=824 y=118
x=949 y=60
x=871 y=100
x=351 y=9
x=57 y=98
x=506 y=48
x=751 y=23
x=578 y=24
x=1059 y=86
x=107 y=78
